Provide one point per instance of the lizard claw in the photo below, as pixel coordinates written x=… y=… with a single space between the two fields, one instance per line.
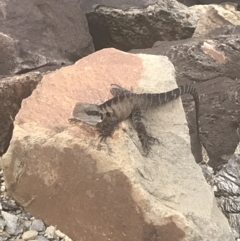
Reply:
x=73 y=120
x=102 y=138
x=147 y=141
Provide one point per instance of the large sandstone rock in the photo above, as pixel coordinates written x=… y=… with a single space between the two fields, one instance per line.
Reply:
x=132 y=24
x=62 y=174
x=41 y=33
x=213 y=64
x=12 y=91
x=214 y=16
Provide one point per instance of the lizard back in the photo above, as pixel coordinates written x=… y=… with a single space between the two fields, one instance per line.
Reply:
x=123 y=105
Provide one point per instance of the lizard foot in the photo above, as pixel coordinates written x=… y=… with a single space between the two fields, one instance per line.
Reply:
x=147 y=141
x=103 y=138
x=73 y=120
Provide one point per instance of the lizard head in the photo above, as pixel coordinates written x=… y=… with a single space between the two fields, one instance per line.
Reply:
x=87 y=113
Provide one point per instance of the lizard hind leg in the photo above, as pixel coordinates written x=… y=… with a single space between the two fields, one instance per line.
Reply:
x=146 y=139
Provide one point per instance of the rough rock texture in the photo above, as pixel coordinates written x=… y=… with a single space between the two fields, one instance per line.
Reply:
x=226 y=184
x=110 y=190
x=189 y=2
x=12 y=91
x=8 y=54
x=214 y=16
x=137 y=24
x=41 y=33
x=195 y=2
x=227 y=191
x=225 y=30
x=217 y=1
x=214 y=64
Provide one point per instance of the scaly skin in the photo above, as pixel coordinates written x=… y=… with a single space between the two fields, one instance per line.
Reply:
x=125 y=104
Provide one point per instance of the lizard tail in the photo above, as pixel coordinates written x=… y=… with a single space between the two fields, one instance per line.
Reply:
x=158 y=99
x=188 y=89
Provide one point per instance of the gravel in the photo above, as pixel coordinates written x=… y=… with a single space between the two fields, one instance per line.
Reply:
x=17 y=224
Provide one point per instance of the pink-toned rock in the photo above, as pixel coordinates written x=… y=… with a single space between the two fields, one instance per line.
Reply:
x=60 y=173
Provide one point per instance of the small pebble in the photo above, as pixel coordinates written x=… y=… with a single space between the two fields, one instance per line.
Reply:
x=3 y=188
x=2 y=224
x=37 y=225
x=50 y=232
x=41 y=238
x=27 y=224
x=67 y=239
x=11 y=222
x=31 y=234
x=60 y=234
x=14 y=221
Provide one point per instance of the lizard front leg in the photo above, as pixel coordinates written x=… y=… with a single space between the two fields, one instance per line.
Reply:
x=106 y=127
x=145 y=139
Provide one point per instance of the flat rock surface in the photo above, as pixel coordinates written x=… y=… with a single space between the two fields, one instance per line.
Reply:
x=109 y=189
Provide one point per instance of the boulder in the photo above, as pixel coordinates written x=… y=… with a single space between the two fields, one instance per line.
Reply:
x=109 y=191
x=125 y=25
x=215 y=16
x=8 y=53
x=189 y=2
x=12 y=91
x=213 y=65
x=217 y=1
x=227 y=189
x=41 y=33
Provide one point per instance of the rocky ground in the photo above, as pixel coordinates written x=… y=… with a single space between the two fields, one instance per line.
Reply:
x=16 y=224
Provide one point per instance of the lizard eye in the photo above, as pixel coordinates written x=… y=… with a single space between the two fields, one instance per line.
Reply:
x=92 y=112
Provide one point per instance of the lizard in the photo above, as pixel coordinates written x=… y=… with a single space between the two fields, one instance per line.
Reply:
x=124 y=104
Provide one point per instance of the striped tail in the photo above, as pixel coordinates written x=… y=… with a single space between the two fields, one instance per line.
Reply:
x=168 y=96
x=188 y=89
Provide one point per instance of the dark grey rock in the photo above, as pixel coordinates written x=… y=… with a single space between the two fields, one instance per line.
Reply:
x=224 y=30
x=12 y=91
x=217 y=1
x=226 y=184
x=11 y=223
x=189 y=2
x=37 y=225
x=9 y=205
x=36 y=33
x=137 y=24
